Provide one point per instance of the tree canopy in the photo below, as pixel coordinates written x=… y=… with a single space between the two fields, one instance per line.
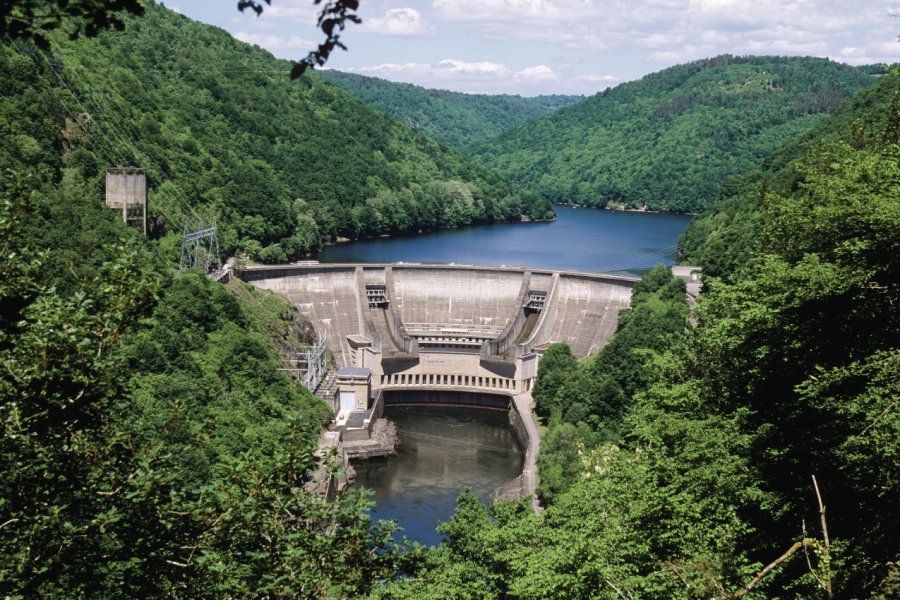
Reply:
x=151 y=447
x=452 y=118
x=31 y=20
x=724 y=237
x=191 y=105
x=668 y=141
x=678 y=461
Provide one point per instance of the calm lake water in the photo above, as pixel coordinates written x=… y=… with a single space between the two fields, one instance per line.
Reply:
x=581 y=239
x=442 y=451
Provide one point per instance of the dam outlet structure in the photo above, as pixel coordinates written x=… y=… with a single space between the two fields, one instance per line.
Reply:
x=433 y=333
x=449 y=327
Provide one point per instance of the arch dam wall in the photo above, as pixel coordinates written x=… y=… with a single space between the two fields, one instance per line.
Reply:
x=454 y=328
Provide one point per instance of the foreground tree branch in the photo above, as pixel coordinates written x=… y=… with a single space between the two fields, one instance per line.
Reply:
x=766 y=570
x=33 y=20
x=333 y=18
x=824 y=551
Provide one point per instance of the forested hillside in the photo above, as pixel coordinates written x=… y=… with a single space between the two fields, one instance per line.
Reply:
x=150 y=446
x=452 y=118
x=753 y=454
x=723 y=238
x=284 y=166
x=667 y=141
x=746 y=448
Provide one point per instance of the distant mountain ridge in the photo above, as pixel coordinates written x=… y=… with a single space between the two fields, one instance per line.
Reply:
x=452 y=118
x=667 y=141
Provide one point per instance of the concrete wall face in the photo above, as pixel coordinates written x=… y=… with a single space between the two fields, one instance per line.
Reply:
x=587 y=313
x=462 y=307
x=453 y=398
x=327 y=298
x=487 y=299
x=540 y=281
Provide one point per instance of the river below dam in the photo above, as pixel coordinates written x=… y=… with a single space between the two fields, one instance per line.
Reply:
x=443 y=450
x=580 y=239
x=446 y=449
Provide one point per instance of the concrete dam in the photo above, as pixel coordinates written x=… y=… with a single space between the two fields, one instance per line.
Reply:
x=449 y=328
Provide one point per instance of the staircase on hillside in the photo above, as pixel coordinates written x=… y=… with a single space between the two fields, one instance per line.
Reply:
x=327 y=387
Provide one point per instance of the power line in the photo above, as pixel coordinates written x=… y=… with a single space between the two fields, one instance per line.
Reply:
x=126 y=141
x=109 y=153
x=140 y=157
x=642 y=262
x=200 y=247
x=105 y=152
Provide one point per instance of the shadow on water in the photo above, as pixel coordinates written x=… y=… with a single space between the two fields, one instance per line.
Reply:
x=442 y=451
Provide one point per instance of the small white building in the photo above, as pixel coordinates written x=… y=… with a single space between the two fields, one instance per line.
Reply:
x=354 y=389
x=691 y=276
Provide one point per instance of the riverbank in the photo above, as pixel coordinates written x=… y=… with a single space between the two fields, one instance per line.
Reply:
x=623 y=208
x=421 y=232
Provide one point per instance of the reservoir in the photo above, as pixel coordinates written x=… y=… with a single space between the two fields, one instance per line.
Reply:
x=443 y=449
x=580 y=239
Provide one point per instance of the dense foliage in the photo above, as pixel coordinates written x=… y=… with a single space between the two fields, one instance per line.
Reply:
x=589 y=400
x=151 y=447
x=197 y=110
x=452 y=118
x=723 y=238
x=682 y=465
x=33 y=19
x=628 y=146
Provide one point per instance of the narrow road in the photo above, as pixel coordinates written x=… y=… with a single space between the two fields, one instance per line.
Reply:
x=529 y=470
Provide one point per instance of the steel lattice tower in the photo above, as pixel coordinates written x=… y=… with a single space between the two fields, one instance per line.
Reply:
x=200 y=248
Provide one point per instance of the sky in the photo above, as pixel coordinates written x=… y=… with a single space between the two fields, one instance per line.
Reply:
x=532 y=47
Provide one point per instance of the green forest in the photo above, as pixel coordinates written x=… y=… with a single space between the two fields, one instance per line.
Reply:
x=625 y=147
x=283 y=166
x=695 y=455
x=724 y=236
x=743 y=446
x=452 y=118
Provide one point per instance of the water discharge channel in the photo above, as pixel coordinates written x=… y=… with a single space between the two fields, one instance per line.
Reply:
x=443 y=449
